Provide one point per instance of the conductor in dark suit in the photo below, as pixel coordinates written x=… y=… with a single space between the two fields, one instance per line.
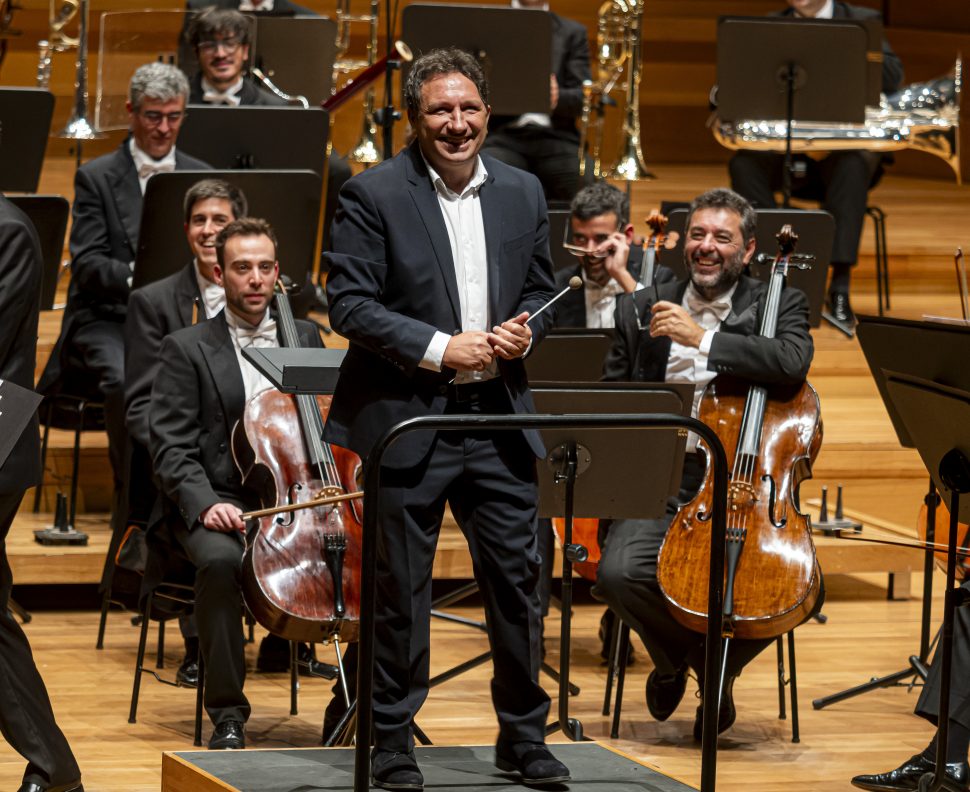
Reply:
x=88 y=358
x=440 y=255
x=26 y=718
x=610 y=262
x=199 y=394
x=691 y=330
x=546 y=142
x=841 y=180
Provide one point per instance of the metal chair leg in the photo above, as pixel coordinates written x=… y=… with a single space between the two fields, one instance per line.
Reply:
x=782 y=715
x=43 y=458
x=294 y=677
x=140 y=660
x=623 y=649
x=793 y=682
x=199 y=697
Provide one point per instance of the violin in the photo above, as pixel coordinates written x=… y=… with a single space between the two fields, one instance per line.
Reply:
x=301 y=569
x=771 y=435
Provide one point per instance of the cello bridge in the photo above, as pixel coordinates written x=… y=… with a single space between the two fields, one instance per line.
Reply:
x=741 y=495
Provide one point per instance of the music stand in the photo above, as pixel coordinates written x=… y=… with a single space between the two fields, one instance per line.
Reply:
x=298 y=370
x=587 y=473
x=558 y=224
x=570 y=354
x=297 y=54
x=289 y=200
x=774 y=68
x=49 y=214
x=25 y=123
x=518 y=77
x=938 y=420
x=815 y=229
x=929 y=352
x=246 y=138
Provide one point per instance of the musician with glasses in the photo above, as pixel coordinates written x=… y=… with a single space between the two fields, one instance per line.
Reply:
x=601 y=236
x=221 y=40
x=840 y=179
x=546 y=142
x=88 y=358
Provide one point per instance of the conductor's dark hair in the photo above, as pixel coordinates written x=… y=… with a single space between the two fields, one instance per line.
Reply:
x=450 y=60
x=215 y=188
x=601 y=198
x=723 y=198
x=244 y=226
x=225 y=22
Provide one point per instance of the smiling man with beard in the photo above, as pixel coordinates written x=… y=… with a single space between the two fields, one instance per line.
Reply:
x=691 y=330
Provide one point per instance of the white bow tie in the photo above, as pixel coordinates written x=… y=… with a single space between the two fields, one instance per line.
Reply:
x=218 y=97
x=147 y=169
x=697 y=305
x=265 y=332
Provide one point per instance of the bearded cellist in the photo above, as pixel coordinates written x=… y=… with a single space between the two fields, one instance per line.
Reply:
x=691 y=330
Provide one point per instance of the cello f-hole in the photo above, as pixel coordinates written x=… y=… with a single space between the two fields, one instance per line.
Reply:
x=771 y=502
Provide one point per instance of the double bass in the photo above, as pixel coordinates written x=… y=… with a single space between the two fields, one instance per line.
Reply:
x=771 y=435
x=301 y=569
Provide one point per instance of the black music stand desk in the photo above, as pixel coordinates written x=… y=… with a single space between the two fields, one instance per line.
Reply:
x=938 y=420
x=569 y=354
x=289 y=200
x=298 y=371
x=25 y=123
x=930 y=352
x=297 y=54
x=588 y=473
x=267 y=138
x=49 y=214
x=518 y=76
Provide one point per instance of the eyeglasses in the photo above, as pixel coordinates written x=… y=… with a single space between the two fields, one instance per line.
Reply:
x=154 y=117
x=229 y=45
x=583 y=251
x=720 y=239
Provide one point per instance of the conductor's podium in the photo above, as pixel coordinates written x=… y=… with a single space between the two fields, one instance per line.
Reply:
x=466 y=768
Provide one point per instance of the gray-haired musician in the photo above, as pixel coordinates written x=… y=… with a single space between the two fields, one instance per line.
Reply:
x=546 y=142
x=841 y=180
x=89 y=356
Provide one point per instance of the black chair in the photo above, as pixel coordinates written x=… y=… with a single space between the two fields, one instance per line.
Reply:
x=616 y=674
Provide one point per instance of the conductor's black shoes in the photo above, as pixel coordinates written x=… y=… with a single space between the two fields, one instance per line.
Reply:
x=230 y=735
x=532 y=761
x=664 y=692
x=70 y=786
x=391 y=770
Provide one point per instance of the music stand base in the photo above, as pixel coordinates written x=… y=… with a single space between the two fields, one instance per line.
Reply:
x=916 y=669
x=842 y=327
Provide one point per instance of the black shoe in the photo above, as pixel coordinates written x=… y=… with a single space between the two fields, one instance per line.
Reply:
x=908 y=774
x=725 y=716
x=840 y=309
x=188 y=673
x=308 y=665
x=230 y=735
x=390 y=770
x=533 y=761
x=274 y=658
x=664 y=692
x=70 y=786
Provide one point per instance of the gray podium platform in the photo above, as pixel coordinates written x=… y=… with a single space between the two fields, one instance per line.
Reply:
x=455 y=768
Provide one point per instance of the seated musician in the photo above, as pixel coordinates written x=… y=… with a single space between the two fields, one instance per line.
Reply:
x=88 y=358
x=546 y=142
x=199 y=393
x=274 y=7
x=601 y=235
x=221 y=40
x=690 y=331
x=908 y=774
x=840 y=179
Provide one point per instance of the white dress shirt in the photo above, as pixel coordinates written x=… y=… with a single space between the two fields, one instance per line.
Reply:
x=213 y=295
x=825 y=12
x=600 y=301
x=229 y=97
x=687 y=364
x=147 y=166
x=244 y=335
x=462 y=213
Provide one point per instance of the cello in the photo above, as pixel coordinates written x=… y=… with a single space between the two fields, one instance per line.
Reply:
x=301 y=571
x=771 y=435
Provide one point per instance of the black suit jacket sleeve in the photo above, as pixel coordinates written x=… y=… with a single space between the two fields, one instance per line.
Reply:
x=93 y=269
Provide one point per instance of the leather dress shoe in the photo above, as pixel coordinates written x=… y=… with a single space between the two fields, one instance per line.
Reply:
x=188 y=673
x=726 y=715
x=840 y=308
x=274 y=658
x=70 y=786
x=392 y=770
x=229 y=735
x=532 y=761
x=908 y=774
x=664 y=692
